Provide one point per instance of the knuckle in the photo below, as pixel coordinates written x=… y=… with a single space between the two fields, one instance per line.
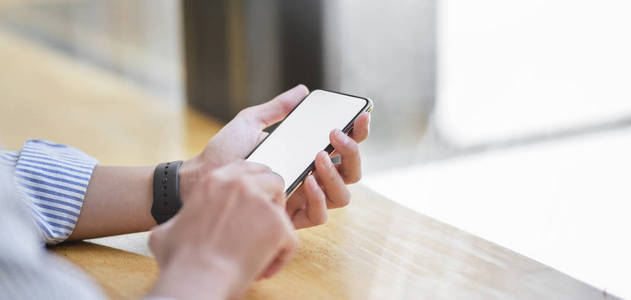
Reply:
x=327 y=173
x=293 y=240
x=241 y=183
x=345 y=198
x=210 y=177
x=287 y=105
x=353 y=179
x=321 y=218
x=258 y=197
x=246 y=112
x=241 y=164
x=214 y=178
x=154 y=240
x=241 y=180
x=257 y=166
x=352 y=147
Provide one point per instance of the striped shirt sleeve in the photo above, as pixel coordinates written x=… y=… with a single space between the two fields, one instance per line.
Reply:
x=55 y=179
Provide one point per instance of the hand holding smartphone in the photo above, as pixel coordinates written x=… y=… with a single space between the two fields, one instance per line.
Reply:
x=291 y=148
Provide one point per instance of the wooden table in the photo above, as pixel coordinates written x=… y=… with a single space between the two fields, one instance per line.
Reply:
x=372 y=249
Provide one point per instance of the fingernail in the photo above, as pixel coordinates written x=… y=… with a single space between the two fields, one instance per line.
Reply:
x=300 y=87
x=341 y=137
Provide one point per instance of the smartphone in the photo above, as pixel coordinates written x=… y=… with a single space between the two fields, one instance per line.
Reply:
x=290 y=149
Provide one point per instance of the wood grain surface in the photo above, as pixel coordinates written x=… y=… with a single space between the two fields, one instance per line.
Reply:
x=372 y=249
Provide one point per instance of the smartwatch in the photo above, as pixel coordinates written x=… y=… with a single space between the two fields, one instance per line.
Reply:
x=166 y=191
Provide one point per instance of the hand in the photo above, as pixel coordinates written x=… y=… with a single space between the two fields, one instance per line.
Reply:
x=238 y=138
x=326 y=189
x=231 y=230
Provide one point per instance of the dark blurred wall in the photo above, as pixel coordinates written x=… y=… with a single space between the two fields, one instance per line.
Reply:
x=244 y=52
x=240 y=53
x=138 y=40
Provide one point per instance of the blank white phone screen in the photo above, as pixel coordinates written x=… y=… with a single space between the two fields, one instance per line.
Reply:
x=293 y=145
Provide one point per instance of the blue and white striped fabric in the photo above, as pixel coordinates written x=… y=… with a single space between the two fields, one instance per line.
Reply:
x=55 y=178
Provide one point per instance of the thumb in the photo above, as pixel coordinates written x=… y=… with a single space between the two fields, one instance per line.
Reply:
x=278 y=108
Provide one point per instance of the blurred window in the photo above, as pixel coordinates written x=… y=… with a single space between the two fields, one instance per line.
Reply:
x=136 y=40
x=509 y=69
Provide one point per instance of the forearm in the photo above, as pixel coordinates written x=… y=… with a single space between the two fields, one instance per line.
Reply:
x=118 y=200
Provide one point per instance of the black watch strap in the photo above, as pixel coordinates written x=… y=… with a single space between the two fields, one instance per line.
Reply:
x=166 y=191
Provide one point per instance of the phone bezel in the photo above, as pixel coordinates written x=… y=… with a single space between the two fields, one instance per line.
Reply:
x=329 y=149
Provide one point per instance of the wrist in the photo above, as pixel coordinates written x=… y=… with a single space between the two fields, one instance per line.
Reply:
x=190 y=172
x=189 y=277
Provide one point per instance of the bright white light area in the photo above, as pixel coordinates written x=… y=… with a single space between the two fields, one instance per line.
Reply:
x=566 y=203
x=510 y=68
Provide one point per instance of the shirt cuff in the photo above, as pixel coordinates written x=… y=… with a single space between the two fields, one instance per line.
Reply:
x=55 y=179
